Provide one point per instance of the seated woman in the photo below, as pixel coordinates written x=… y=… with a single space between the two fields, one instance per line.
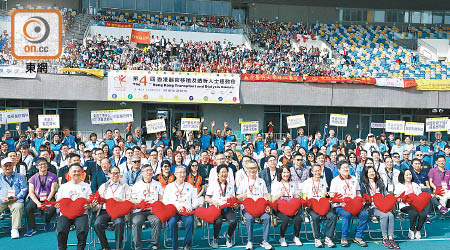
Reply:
x=316 y=188
x=217 y=194
x=371 y=184
x=416 y=218
x=284 y=188
x=348 y=186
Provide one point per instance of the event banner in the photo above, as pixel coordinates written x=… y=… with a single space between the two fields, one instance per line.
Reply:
x=439 y=85
x=395 y=83
x=436 y=124
x=16 y=71
x=2 y=117
x=295 y=121
x=395 y=126
x=17 y=115
x=414 y=128
x=338 y=120
x=250 y=127
x=167 y=86
x=339 y=79
x=270 y=78
x=118 y=25
x=48 y=121
x=155 y=126
x=111 y=116
x=140 y=36
x=190 y=124
x=377 y=125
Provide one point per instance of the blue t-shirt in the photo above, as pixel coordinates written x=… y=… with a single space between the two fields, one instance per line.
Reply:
x=37 y=142
x=69 y=141
x=318 y=143
x=11 y=144
x=303 y=141
x=55 y=147
x=419 y=178
x=166 y=142
x=111 y=144
x=219 y=142
x=230 y=138
x=382 y=147
x=425 y=149
x=330 y=143
x=129 y=144
x=447 y=162
x=441 y=145
x=206 y=142
x=259 y=147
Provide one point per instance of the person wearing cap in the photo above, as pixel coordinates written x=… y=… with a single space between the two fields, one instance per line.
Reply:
x=229 y=134
x=370 y=145
x=134 y=175
x=73 y=190
x=426 y=149
x=42 y=186
x=13 y=190
x=184 y=197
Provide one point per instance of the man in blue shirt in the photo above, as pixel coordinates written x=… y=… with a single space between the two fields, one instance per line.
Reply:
x=13 y=190
x=447 y=157
x=38 y=141
x=109 y=140
x=426 y=149
x=218 y=140
x=69 y=139
x=331 y=141
x=438 y=145
x=302 y=139
x=205 y=139
x=11 y=142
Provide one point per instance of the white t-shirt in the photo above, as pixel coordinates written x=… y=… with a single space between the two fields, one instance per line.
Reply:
x=213 y=175
x=73 y=191
x=254 y=189
x=184 y=195
x=219 y=192
x=290 y=189
x=347 y=187
x=400 y=188
x=146 y=191
x=313 y=189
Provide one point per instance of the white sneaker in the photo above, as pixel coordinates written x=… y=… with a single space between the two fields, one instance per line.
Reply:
x=329 y=242
x=411 y=235
x=283 y=242
x=215 y=243
x=249 y=246
x=297 y=241
x=266 y=245
x=15 y=234
x=318 y=243
x=418 y=235
x=228 y=242
x=307 y=219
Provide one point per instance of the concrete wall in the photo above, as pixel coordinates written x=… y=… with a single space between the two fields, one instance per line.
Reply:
x=236 y=39
x=442 y=46
x=306 y=14
x=232 y=114
x=83 y=115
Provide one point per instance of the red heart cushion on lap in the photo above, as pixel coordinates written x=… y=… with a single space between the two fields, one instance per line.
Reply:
x=384 y=203
x=321 y=206
x=289 y=207
x=255 y=208
x=72 y=209
x=419 y=202
x=162 y=211
x=117 y=209
x=208 y=214
x=353 y=206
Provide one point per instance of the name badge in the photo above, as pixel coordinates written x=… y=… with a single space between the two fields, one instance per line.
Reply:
x=42 y=196
x=390 y=188
x=444 y=185
x=11 y=192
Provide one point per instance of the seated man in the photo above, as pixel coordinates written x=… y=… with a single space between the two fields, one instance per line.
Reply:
x=73 y=190
x=184 y=197
x=13 y=190
x=42 y=186
x=254 y=188
x=348 y=186
x=151 y=191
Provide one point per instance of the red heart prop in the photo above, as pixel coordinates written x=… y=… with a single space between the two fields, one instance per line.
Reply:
x=117 y=209
x=289 y=207
x=255 y=208
x=353 y=206
x=321 y=206
x=162 y=211
x=208 y=214
x=419 y=202
x=384 y=203
x=72 y=209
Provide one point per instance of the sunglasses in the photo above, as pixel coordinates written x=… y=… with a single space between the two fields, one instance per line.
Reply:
x=136 y=161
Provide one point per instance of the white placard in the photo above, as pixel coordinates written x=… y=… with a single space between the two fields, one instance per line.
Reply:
x=377 y=125
x=250 y=127
x=295 y=121
x=394 y=126
x=190 y=124
x=17 y=115
x=414 y=128
x=2 y=117
x=338 y=120
x=436 y=124
x=154 y=126
x=111 y=116
x=48 y=121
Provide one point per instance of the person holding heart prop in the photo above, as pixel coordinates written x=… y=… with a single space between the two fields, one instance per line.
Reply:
x=416 y=218
x=73 y=190
x=284 y=188
x=118 y=190
x=184 y=197
x=372 y=184
x=254 y=188
x=348 y=186
x=316 y=188
x=217 y=194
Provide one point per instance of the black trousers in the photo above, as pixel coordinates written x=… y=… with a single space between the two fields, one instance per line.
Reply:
x=415 y=217
x=62 y=230
x=297 y=220
x=100 y=225
x=230 y=216
x=31 y=220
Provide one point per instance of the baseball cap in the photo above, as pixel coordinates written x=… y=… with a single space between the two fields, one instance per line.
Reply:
x=205 y=127
x=358 y=140
x=383 y=134
x=6 y=160
x=370 y=135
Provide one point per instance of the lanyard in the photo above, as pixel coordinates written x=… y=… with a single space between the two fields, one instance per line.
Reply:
x=288 y=191
x=135 y=174
x=166 y=180
x=45 y=181
x=251 y=187
x=9 y=183
x=315 y=188
x=179 y=192
x=113 y=191
x=149 y=188
x=274 y=176
x=299 y=176
x=194 y=180
x=373 y=189
x=223 y=191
